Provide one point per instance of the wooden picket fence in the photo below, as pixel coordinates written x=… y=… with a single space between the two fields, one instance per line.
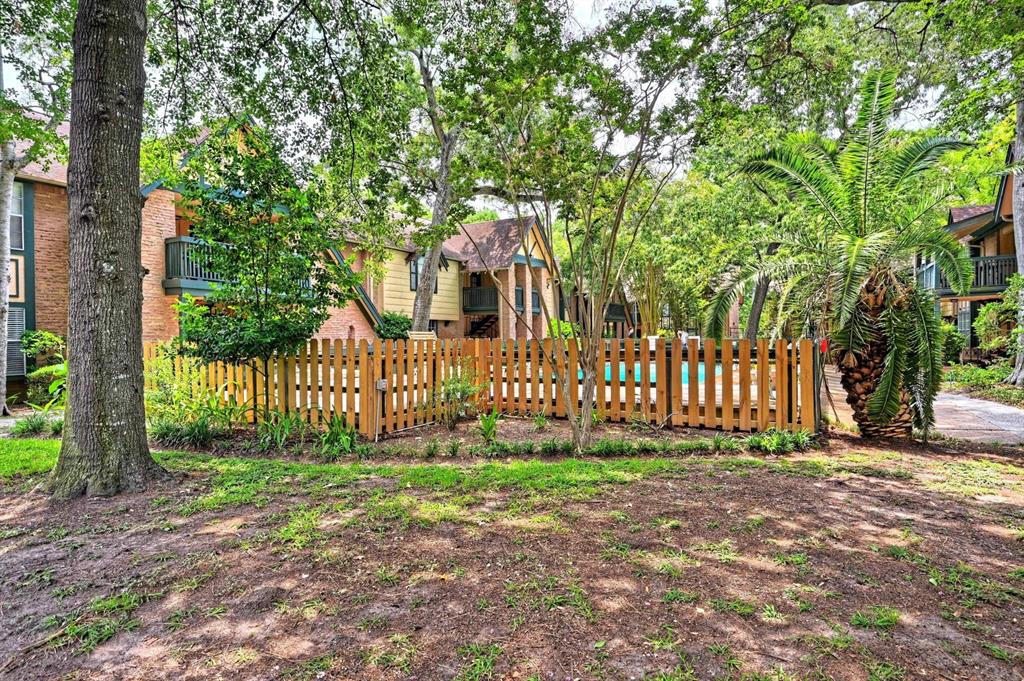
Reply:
x=382 y=387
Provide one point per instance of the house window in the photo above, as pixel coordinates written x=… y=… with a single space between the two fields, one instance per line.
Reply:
x=18 y=218
x=415 y=267
x=15 y=328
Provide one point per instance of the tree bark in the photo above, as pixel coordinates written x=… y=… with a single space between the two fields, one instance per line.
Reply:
x=860 y=374
x=760 y=296
x=756 y=308
x=7 y=172
x=432 y=259
x=1016 y=377
x=104 y=449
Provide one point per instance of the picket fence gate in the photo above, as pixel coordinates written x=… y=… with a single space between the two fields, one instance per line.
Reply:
x=382 y=387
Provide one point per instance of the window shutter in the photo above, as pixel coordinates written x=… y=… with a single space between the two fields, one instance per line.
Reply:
x=15 y=327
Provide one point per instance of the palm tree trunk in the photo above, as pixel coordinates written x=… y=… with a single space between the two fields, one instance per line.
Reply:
x=860 y=374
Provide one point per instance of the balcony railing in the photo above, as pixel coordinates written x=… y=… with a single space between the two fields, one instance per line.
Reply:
x=188 y=258
x=616 y=313
x=991 y=274
x=477 y=299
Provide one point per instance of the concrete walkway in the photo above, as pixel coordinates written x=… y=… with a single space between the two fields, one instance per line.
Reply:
x=957 y=416
x=969 y=418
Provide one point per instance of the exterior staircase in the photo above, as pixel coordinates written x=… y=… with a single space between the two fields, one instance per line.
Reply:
x=481 y=327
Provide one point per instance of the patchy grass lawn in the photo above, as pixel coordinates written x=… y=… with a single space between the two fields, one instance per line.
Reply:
x=847 y=563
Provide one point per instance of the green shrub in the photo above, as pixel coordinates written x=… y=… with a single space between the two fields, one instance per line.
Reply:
x=194 y=433
x=35 y=343
x=57 y=426
x=554 y=447
x=488 y=426
x=456 y=396
x=394 y=326
x=274 y=432
x=558 y=328
x=33 y=425
x=432 y=448
x=337 y=440
x=774 y=441
x=975 y=376
x=953 y=343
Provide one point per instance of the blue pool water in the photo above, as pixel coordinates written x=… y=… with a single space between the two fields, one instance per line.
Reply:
x=636 y=368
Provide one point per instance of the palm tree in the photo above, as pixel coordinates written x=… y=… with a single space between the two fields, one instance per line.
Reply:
x=871 y=204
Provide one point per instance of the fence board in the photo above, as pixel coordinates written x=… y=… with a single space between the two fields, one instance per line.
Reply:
x=727 y=396
x=744 y=372
x=710 y=416
x=693 y=376
x=629 y=359
x=661 y=379
x=614 y=362
x=644 y=359
x=678 y=417
x=763 y=385
x=781 y=384
x=807 y=384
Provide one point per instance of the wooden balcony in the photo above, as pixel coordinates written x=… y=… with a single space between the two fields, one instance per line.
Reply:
x=991 y=274
x=485 y=300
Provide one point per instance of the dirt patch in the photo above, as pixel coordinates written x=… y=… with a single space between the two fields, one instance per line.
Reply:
x=852 y=563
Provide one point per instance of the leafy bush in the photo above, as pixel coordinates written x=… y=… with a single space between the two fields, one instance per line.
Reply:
x=394 y=326
x=488 y=426
x=338 y=440
x=456 y=396
x=953 y=343
x=274 y=432
x=976 y=376
x=994 y=319
x=35 y=343
x=33 y=425
x=558 y=328
x=555 y=447
x=195 y=433
x=46 y=385
x=774 y=441
x=57 y=426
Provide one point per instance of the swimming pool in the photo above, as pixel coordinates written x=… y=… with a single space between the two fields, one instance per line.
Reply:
x=685 y=373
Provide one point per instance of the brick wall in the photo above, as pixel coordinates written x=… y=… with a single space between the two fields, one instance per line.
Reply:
x=51 y=251
x=159 y=321
x=347 y=322
x=51 y=246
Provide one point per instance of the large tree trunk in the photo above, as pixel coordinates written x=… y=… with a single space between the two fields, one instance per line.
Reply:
x=1017 y=185
x=104 y=450
x=7 y=173
x=756 y=308
x=442 y=204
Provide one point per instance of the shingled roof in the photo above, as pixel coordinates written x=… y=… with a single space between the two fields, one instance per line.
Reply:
x=961 y=213
x=498 y=240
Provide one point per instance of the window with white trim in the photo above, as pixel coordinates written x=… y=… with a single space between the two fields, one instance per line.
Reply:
x=18 y=218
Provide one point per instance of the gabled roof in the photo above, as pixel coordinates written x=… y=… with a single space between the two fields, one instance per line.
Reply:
x=499 y=241
x=961 y=213
x=996 y=219
x=51 y=171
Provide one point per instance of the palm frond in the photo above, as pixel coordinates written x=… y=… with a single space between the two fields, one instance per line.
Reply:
x=859 y=156
x=885 y=401
x=855 y=257
x=917 y=156
x=936 y=243
x=926 y=337
x=804 y=175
